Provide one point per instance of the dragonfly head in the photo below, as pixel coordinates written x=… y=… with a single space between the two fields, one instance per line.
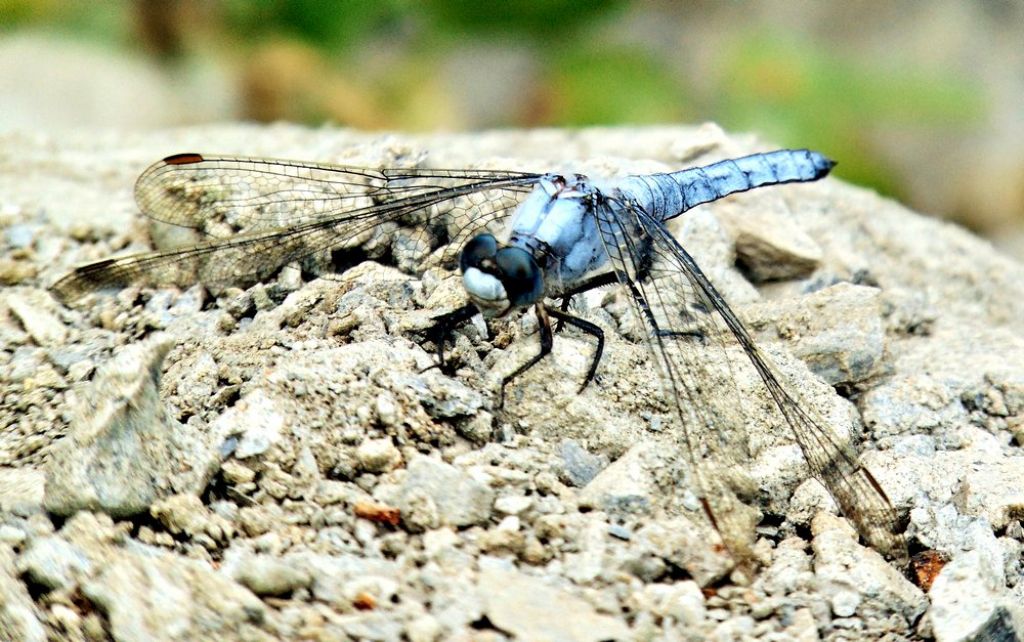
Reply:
x=499 y=279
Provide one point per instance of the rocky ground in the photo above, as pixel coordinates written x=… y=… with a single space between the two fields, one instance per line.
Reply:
x=280 y=463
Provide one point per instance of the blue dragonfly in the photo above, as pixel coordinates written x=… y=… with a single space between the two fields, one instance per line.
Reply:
x=521 y=240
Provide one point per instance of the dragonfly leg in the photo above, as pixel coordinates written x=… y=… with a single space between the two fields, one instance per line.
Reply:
x=546 y=343
x=443 y=326
x=601 y=280
x=564 y=308
x=591 y=329
x=681 y=334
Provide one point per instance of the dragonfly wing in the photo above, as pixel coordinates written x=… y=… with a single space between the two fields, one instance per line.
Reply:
x=263 y=214
x=218 y=194
x=703 y=350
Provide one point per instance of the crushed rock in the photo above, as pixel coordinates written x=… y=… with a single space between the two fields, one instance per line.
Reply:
x=283 y=462
x=122 y=451
x=529 y=609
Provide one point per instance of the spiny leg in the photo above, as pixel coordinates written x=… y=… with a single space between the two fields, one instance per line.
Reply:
x=546 y=343
x=606 y=278
x=601 y=280
x=657 y=330
x=591 y=329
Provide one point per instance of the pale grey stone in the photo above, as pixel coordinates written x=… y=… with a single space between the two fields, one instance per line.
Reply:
x=842 y=565
x=12 y=535
x=373 y=626
x=586 y=565
x=530 y=609
x=969 y=601
x=333 y=575
x=149 y=595
x=425 y=628
x=682 y=601
x=845 y=603
x=441 y=397
x=19 y=235
x=19 y=616
x=942 y=528
x=837 y=331
x=790 y=569
x=770 y=243
x=257 y=419
x=268 y=575
x=513 y=504
x=993 y=490
x=683 y=544
x=123 y=450
x=626 y=485
x=457 y=499
x=41 y=324
x=378 y=455
x=579 y=466
x=186 y=514
x=21 y=490
x=54 y=563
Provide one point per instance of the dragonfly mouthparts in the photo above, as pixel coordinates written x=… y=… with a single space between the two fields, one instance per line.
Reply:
x=498 y=278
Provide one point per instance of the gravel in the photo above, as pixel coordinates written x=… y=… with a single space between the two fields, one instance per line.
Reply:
x=282 y=462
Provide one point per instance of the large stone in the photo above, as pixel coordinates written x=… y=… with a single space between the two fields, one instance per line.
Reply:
x=149 y=597
x=123 y=450
x=21 y=490
x=994 y=491
x=843 y=566
x=627 y=485
x=530 y=609
x=436 y=494
x=19 y=617
x=969 y=601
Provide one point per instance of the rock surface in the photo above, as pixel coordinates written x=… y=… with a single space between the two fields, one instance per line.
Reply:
x=530 y=610
x=282 y=462
x=19 y=616
x=122 y=451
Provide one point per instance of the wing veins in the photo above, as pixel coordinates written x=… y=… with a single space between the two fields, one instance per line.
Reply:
x=186 y=265
x=834 y=464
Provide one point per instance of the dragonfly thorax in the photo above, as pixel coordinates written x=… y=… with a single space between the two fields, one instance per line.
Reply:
x=553 y=237
x=557 y=224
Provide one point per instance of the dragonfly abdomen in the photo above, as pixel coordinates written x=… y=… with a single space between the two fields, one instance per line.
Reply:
x=665 y=196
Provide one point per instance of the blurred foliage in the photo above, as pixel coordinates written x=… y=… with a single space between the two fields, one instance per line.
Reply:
x=800 y=94
x=610 y=85
x=341 y=26
x=308 y=60
x=332 y=26
x=539 y=19
x=105 y=21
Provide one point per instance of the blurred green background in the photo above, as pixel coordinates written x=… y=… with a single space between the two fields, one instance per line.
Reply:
x=921 y=101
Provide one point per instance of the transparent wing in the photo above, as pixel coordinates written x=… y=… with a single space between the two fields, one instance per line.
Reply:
x=256 y=215
x=684 y=315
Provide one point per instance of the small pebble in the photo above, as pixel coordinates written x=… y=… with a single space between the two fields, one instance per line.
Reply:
x=620 y=532
x=513 y=504
x=845 y=603
x=11 y=535
x=378 y=455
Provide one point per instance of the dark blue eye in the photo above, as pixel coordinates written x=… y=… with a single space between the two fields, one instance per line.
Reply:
x=479 y=248
x=520 y=275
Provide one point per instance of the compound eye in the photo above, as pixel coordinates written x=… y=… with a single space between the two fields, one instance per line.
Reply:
x=477 y=250
x=520 y=275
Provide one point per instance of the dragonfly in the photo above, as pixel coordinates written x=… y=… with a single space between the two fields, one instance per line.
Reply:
x=521 y=240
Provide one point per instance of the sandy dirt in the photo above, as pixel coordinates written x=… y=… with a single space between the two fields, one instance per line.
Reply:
x=281 y=462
